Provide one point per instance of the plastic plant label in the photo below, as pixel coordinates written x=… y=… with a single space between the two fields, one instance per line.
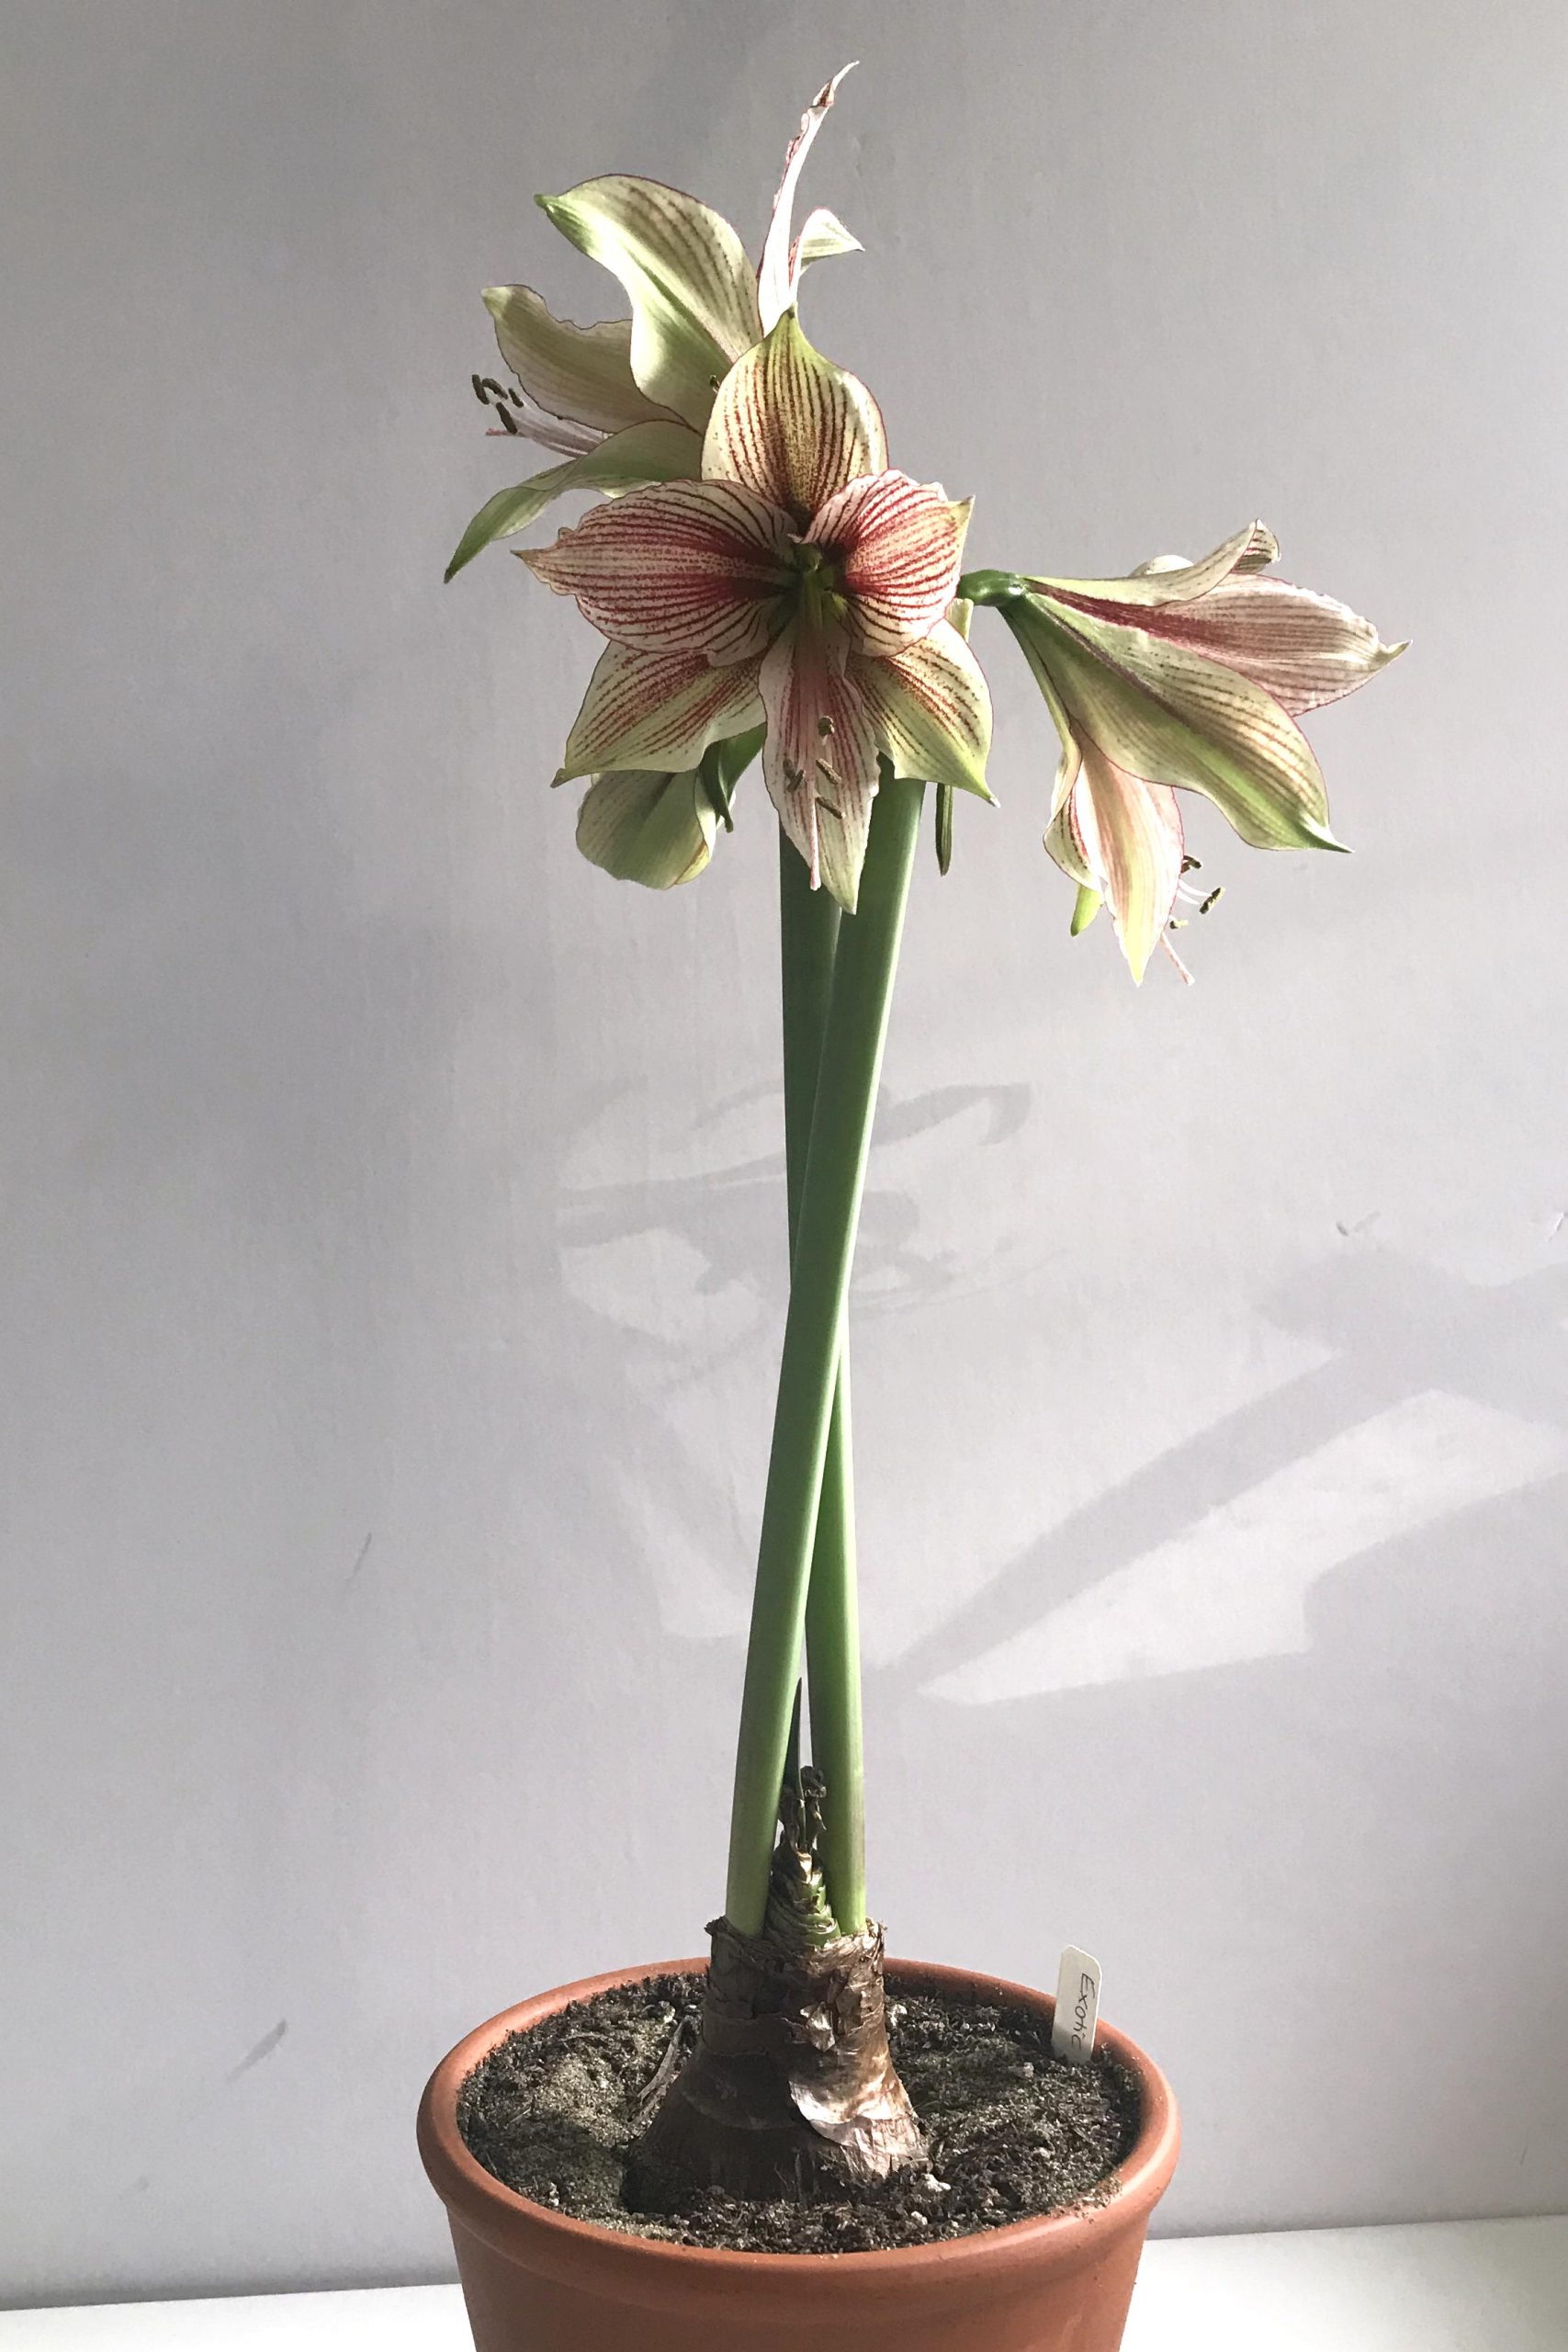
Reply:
x=1078 y=2007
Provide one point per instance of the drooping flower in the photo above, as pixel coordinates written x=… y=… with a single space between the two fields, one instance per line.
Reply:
x=626 y=403
x=1183 y=676
x=803 y=584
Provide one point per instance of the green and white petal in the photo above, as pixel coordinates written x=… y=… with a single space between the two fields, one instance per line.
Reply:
x=1174 y=718
x=931 y=710
x=692 y=293
x=824 y=235
x=791 y=426
x=658 y=710
x=1069 y=764
x=642 y=825
x=1169 y=580
x=629 y=461
x=780 y=272
x=1062 y=842
x=581 y=373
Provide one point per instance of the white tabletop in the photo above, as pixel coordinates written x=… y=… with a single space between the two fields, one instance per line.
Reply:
x=1452 y=2287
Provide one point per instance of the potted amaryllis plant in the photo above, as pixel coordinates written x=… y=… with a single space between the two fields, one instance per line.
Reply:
x=769 y=587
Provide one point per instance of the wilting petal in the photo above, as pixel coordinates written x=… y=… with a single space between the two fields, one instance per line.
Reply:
x=899 y=543
x=1299 y=647
x=581 y=373
x=658 y=710
x=791 y=426
x=693 y=295
x=819 y=761
x=777 y=278
x=1169 y=580
x=692 y=566
x=628 y=460
x=642 y=825
x=1174 y=718
x=931 y=710
x=1120 y=837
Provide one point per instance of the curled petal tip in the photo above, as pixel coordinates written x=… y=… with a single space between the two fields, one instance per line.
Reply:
x=1261 y=550
x=828 y=91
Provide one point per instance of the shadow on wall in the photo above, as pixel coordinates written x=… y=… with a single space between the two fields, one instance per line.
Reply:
x=1438 y=1394
x=1434 y=1395
x=669 y=1285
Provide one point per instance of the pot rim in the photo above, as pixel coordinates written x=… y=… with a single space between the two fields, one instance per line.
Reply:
x=561 y=2245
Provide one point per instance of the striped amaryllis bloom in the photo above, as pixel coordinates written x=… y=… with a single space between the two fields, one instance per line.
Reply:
x=1187 y=675
x=801 y=583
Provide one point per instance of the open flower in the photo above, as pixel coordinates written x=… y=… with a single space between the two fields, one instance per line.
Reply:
x=1187 y=675
x=626 y=403
x=801 y=583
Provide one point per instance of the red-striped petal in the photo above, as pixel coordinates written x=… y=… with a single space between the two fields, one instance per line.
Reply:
x=684 y=566
x=658 y=710
x=1301 y=648
x=899 y=544
x=931 y=710
x=819 y=761
x=791 y=426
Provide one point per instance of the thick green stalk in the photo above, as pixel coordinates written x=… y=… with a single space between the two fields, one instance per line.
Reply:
x=833 y=1672
x=825 y=1237
x=809 y=933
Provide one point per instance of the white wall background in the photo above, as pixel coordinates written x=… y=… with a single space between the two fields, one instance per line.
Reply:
x=391 y=1256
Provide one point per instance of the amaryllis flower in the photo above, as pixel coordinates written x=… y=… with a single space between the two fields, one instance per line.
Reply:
x=802 y=584
x=626 y=403
x=1188 y=676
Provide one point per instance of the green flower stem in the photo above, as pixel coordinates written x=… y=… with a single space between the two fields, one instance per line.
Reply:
x=825 y=1236
x=832 y=1657
x=808 y=933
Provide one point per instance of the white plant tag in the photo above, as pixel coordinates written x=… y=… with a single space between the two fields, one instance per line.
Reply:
x=1078 y=2007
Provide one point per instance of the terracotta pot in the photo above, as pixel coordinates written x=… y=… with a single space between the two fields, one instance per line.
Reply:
x=534 y=2281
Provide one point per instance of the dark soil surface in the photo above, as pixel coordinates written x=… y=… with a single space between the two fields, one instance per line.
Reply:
x=1014 y=2131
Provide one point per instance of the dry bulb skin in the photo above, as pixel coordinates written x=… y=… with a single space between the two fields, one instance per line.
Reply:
x=792 y=2085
